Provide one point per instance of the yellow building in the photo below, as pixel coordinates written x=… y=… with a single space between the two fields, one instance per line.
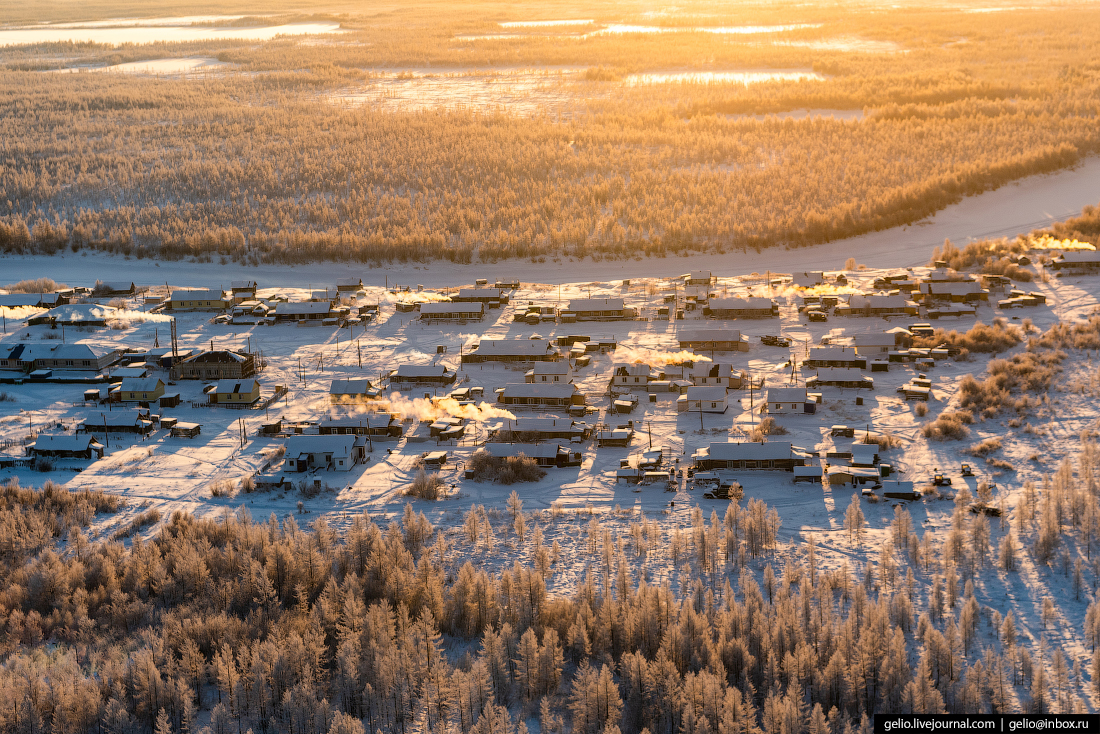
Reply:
x=141 y=389
x=205 y=300
x=236 y=392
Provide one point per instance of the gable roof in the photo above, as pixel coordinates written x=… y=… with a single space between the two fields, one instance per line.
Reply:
x=786 y=395
x=510 y=347
x=306 y=307
x=63 y=442
x=206 y=294
x=706 y=392
x=737 y=451
x=335 y=444
x=236 y=386
x=450 y=307
x=709 y=335
x=539 y=390
x=350 y=387
x=741 y=304
x=596 y=304
x=421 y=370
x=141 y=384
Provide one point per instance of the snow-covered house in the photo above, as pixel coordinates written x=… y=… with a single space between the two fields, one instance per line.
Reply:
x=752 y=307
x=115 y=288
x=451 y=311
x=550 y=372
x=698 y=277
x=808 y=279
x=243 y=290
x=540 y=395
x=703 y=398
x=141 y=389
x=352 y=391
x=877 y=305
x=118 y=421
x=236 y=392
x=78 y=357
x=530 y=429
x=489 y=297
x=713 y=340
x=740 y=456
x=215 y=365
x=411 y=375
x=840 y=377
x=197 y=300
x=333 y=452
x=832 y=356
x=598 y=309
x=303 y=311
x=75 y=314
x=628 y=376
x=788 y=401
x=864 y=454
x=81 y=446
x=32 y=300
x=379 y=426
x=511 y=350
x=545 y=454
x=349 y=285
x=715 y=373
x=958 y=291
x=1076 y=260
x=881 y=342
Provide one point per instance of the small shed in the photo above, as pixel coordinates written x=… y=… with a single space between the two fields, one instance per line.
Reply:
x=809 y=473
x=185 y=430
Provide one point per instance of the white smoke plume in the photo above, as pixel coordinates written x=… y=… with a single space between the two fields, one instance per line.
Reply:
x=821 y=290
x=1046 y=242
x=638 y=355
x=420 y=297
x=428 y=409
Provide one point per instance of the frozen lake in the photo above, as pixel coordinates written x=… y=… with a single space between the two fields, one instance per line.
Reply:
x=154 y=32
x=720 y=77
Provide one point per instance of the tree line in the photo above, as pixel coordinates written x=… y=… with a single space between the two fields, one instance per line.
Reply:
x=709 y=627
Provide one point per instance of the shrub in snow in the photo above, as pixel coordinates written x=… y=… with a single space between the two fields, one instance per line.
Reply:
x=425 y=486
x=949 y=426
x=505 y=470
x=985 y=448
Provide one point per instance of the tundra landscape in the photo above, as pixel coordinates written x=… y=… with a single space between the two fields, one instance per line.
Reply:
x=546 y=367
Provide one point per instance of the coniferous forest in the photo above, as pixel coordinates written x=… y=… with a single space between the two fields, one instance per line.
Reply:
x=235 y=623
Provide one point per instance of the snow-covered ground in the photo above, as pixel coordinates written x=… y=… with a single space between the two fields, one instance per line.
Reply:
x=170 y=474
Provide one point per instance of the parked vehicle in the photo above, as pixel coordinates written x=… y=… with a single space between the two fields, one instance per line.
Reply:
x=775 y=341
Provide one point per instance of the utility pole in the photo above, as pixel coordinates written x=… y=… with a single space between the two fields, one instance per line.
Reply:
x=752 y=408
x=649 y=425
x=359 y=354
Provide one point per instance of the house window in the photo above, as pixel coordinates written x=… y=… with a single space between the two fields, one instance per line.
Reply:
x=750 y=464
x=777 y=406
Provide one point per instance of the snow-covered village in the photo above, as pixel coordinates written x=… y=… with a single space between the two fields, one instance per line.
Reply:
x=547 y=367
x=911 y=445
